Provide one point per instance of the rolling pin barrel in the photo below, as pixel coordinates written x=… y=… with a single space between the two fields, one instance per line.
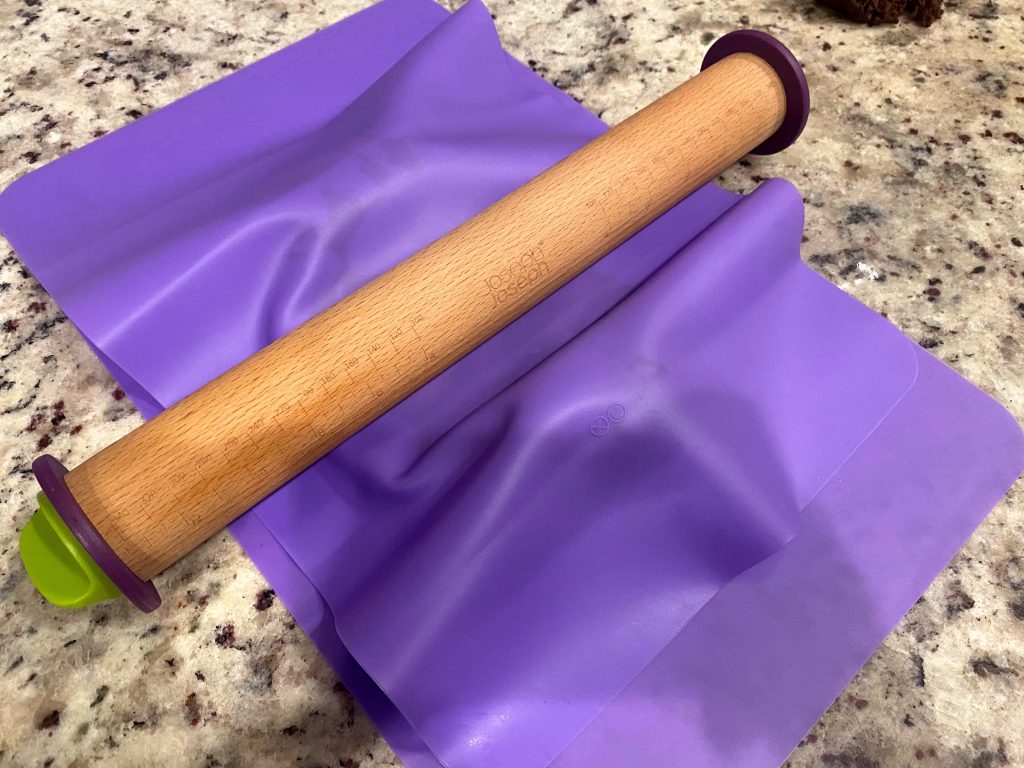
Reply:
x=148 y=499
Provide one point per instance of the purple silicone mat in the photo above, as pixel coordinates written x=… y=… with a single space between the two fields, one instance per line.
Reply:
x=664 y=516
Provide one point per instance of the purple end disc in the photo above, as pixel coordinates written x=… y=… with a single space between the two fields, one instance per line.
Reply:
x=779 y=57
x=50 y=474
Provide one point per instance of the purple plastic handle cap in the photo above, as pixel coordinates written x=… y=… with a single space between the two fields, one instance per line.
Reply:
x=779 y=57
x=50 y=474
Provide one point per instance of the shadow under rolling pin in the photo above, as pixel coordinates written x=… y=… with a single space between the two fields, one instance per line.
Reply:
x=110 y=525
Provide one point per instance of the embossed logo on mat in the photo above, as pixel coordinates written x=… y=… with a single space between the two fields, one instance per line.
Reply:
x=602 y=425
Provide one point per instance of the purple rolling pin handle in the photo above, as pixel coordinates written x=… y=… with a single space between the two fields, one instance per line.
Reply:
x=779 y=57
x=50 y=474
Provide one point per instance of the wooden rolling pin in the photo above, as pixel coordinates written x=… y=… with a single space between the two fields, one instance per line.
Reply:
x=142 y=503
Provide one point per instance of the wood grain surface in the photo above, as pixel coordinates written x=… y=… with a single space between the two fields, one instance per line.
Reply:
x=163 y=489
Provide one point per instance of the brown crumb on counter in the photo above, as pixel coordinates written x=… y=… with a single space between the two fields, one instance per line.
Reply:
x=924 y=12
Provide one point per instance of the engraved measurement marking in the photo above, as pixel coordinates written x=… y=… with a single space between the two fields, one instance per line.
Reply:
x=365 y=370
x=634 y=193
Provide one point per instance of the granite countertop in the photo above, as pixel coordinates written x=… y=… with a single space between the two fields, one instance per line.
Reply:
x=913 y=171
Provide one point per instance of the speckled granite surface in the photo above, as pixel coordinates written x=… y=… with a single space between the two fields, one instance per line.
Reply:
x=913 y=170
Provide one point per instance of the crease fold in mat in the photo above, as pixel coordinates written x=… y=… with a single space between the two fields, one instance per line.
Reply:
x=667 y=513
